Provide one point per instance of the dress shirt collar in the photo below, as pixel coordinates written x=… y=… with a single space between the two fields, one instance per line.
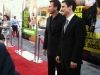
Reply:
x=70 y=17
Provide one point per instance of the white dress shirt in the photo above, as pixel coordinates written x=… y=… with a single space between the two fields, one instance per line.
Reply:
x=67 y=21
x=70 y=17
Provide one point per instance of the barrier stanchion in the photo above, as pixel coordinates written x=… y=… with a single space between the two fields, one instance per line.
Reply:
x=38 y=46
x=34 y=59
x=21 y=40
x=19 y=35
x=36 y=15
x=10 y=40
x=17 y=51
x=18 y=42
x=38 y=56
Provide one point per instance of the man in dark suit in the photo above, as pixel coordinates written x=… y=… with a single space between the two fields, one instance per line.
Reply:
x=52 y=36
x=6 y=64
x=72 y=40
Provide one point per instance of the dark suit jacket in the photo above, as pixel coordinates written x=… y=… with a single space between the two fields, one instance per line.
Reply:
x=72 y=41
x=6 y=63
x=51 y=38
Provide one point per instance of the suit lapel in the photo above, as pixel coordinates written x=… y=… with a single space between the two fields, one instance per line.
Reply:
x=63 y=29
x=70 y=24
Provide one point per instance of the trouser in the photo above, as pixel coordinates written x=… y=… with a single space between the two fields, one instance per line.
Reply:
x=66 y=70
x=51 y=66
x=15 y=28
x=16 y=73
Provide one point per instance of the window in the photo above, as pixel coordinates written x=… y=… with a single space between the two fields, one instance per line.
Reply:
x=43 y=13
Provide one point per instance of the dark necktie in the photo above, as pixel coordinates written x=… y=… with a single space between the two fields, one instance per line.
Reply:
x=65 y=26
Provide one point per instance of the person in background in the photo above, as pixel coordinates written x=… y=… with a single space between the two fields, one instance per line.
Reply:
x=15 y=24
x=2 y=39
x=89 y=2
x=52 y=36
x=32 y=23
x=6 y=29
x=80 y=2
x=91 y=17
x=72 y=40
x=0 y=21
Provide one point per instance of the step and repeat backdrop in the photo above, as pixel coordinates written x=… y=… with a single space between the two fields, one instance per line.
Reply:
x=29 y=20
x=89 y=10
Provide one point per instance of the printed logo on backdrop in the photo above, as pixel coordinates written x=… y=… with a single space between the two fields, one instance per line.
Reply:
x=92 y=38
x=85 y=10
x=29 y=22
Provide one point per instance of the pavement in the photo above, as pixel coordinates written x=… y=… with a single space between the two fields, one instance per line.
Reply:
x=30 y=47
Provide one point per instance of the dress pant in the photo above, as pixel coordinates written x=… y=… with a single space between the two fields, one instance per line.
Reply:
x=15 y=28
x=66 y=70
x=16 y=73
x=51 y=66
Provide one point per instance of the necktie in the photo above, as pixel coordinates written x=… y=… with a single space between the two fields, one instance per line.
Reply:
x=65 y=26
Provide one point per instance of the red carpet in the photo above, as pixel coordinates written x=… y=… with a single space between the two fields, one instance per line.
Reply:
x=25 y=67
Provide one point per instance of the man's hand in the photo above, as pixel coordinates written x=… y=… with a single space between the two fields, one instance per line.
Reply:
x=58 y=59
x=44 y=52
x=73 y=65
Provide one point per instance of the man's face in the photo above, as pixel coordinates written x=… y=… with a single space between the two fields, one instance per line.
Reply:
x=51 y=8
x=65 y=9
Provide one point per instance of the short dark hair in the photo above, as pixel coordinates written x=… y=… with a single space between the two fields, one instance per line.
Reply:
x=70 y=3
x=98 y=3
x=56 y=4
